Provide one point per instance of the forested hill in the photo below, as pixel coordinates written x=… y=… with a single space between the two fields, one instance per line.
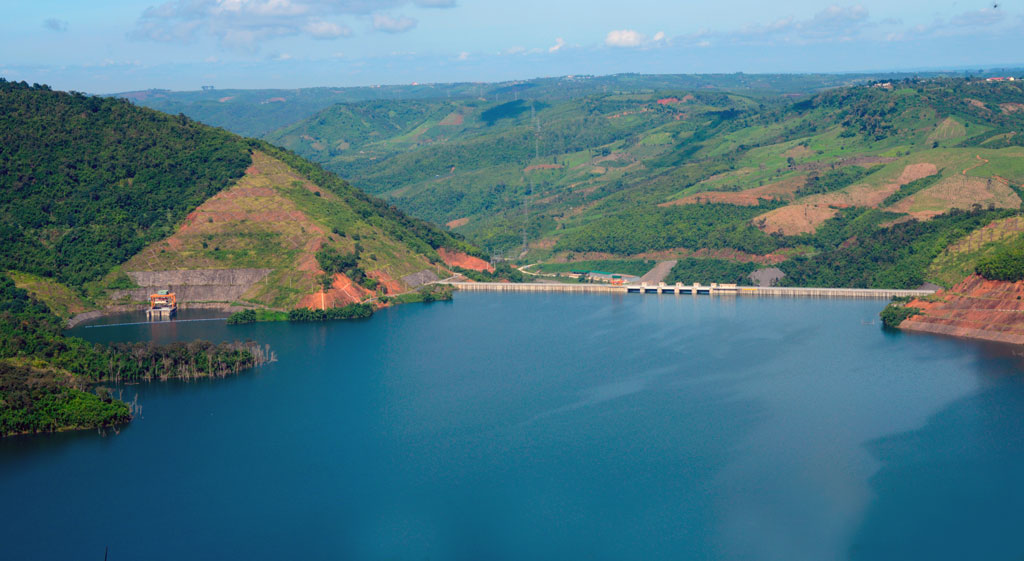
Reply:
x=89 y=183
x=841 y=187
x=86 y=182
x=260 y=111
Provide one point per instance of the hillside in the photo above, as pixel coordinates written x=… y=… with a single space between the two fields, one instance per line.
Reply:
x=987 y=304
x=103 y=201
x=975 y=308
x=678 y=174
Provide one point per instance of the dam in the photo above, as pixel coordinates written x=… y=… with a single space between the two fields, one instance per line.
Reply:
x=712 y=289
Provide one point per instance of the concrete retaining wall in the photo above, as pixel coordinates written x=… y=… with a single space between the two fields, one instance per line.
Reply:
x=203 y=285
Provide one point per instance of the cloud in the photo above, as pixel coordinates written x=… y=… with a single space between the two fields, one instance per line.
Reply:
x=388 y=24
x=247 y=23
x=624 y=38
x=659 y=37
x=979 y=18
x=559 y=43
x=320 y=29
x=463 y=56
x=54 y=24
x=987 y=20
x=830 y=25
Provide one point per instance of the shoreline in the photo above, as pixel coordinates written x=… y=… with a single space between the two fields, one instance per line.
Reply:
x=120 y=309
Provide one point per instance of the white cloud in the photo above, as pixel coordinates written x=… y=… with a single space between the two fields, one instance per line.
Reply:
x=624 y=38
x=463 y=56
x=559 y=43
x=388 y=24
x=659 y=37
x=321 y=29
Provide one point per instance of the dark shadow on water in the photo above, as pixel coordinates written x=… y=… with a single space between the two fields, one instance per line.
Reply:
x=954 y=489
x=25 y=447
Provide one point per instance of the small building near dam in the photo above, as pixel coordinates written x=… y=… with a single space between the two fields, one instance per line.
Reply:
x=162 y=305
x=610 y=278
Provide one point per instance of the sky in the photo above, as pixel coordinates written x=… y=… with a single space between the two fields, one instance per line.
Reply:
x=122 y=45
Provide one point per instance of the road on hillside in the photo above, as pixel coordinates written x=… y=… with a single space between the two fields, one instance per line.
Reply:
x=658 y=273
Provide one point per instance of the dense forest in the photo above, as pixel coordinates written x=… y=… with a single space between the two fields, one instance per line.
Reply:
x=1006 y=265
x=46 y=378
x=87 y=182
x=691 y=226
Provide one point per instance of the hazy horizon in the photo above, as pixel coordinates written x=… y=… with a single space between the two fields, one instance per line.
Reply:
x=183 y=45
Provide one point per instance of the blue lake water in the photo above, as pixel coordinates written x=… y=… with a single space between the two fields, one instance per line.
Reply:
x=548 y=426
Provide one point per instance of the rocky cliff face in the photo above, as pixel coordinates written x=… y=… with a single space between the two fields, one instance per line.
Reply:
x=976 y=308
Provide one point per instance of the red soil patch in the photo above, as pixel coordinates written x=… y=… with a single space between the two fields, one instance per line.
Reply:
x=226 y=99
x=1012 y=107
x=342 y=292
x=977 y=309
x=798 y=151
x=959 y=191
x=668 y=100
x=975 y=103
x=390 y=284
x=453 y=118
x=866 y=195
x=795 y=219
x=723 y=253
x=543 y=166
x=805 y=216
x=781 y=190
x=459 y=259
x=458 y=222
x=276 y=100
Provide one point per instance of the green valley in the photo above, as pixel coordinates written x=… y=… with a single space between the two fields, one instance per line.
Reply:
x=650 y=174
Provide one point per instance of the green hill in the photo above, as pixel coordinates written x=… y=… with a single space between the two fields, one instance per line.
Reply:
x=98 y=193
x=259 y=112
x=675 y=172
x=102 y=201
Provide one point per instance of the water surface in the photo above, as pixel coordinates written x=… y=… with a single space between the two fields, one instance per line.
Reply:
x=548 y=426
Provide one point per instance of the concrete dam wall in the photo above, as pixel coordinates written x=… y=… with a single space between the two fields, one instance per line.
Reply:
x=204 y=285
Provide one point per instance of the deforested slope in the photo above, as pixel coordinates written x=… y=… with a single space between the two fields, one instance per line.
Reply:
x=623 y=174
x=86 y=182
x=98 y=195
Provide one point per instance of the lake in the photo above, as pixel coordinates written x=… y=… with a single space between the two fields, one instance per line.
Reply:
x=547 y=426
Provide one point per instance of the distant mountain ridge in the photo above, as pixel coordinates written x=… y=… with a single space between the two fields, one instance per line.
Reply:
x=257 y=112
